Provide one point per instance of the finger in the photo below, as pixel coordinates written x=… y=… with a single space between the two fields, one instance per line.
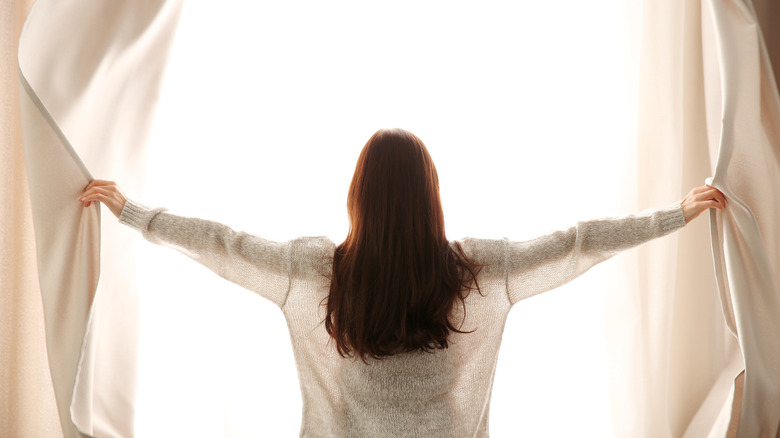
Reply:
x=99 y=182
x=91 y=197
x=86 y=194
x=102 y=197
x=105 y=185
x=711 y=190
x=93 y=183
x=95 y=190
x=709 y=193
x=105 y=200
x=89 y=200
x=718 y=196
x=95 y=196
x=88 y=191
x=712 y=203
x=103 y=190
x=721 y=197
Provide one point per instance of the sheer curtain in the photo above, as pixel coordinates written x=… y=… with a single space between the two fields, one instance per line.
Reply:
x=666 y=303
x=707 y=105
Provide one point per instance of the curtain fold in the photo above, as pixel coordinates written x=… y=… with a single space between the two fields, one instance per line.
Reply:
x=67 y=245
x=707 y=106
x=88 y=74
x=661 y=372
x=743 y=112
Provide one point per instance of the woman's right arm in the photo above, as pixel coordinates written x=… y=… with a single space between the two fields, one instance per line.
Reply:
x=549 y=261
x=252 y=262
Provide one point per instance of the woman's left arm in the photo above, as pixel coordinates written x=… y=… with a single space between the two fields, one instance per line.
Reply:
x=252 y=262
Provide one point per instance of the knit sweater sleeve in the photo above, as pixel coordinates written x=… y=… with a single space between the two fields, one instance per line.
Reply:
x=544 y=263
x=252 y=262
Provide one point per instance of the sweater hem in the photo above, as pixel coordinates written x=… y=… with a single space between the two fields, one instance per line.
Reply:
x=672 y=218
x=134 y=215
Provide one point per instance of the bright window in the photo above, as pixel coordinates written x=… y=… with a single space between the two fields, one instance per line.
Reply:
x=264 y=109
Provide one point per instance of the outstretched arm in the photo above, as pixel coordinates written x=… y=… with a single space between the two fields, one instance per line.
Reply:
x=549 y=261
x=250 y=261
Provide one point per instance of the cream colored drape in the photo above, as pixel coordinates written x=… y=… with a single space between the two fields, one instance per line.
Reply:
x=743 y=118
x=27 y=406
x=707 y=104
x=660 y=373
x=87 y=76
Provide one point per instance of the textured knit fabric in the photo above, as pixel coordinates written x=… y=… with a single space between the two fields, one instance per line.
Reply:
x=442 y=394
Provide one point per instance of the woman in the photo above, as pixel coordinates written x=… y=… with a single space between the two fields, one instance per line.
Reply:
x=396 y=331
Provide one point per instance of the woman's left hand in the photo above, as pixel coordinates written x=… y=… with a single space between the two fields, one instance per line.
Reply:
x=106 y=192
x=700 y=199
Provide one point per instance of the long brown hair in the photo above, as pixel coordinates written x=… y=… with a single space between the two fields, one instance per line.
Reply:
x=396 y=278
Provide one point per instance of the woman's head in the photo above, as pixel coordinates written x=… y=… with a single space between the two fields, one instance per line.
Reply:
x=396 y=278
x=395 y=189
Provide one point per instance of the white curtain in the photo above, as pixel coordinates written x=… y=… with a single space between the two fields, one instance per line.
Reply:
x=666 y=303
x=707 y=104
x=743 y=120
x=88 y=76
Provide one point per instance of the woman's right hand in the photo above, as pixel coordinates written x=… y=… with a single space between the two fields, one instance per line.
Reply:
x=700 y=199
x=106 y=192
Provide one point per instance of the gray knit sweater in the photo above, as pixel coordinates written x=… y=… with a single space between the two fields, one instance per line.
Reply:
x=442 y=394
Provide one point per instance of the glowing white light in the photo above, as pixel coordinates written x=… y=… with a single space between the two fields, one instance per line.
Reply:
x=264 y=110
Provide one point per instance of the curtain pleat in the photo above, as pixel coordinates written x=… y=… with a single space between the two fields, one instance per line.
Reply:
x=743 y=112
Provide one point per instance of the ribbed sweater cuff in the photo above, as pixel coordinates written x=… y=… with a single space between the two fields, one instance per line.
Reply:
x=672 y=218
x=135 y=215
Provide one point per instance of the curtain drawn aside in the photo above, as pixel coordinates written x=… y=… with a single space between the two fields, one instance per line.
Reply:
x=27 y=405
x=743 y=115
x=88 y=72
x=668 y=348
x=708 y=106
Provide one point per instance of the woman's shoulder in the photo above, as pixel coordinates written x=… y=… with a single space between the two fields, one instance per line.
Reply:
x=313 y=243
x=477 y=248
x=311 y=254
x=488 y=253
